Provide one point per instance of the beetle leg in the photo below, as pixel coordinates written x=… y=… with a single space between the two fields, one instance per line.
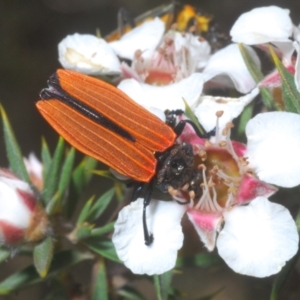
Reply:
x=181 y=124
x=147 y=235
x=137 y=188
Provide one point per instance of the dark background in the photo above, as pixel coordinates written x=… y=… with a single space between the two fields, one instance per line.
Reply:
x=30 y=31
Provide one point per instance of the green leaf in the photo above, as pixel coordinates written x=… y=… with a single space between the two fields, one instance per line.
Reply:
x=162 y=284
x=66 y=172
x=83 y=232
x=42 y=256
x=103 y=230
x=52 y=176
x=105 y=173
x=290 y=94
x=103 y=247
x=257 y=76
x=245 y=117
x=85 y=211
x=29 y=276
x=82 y=174
x=190 y=114
x=100 y=290
x=252 y=67
x=4 y=254
x=55 y=203
x=268 y=99
x=13 y=152
x=46 y=157
x=282 y=277
x=100 y=205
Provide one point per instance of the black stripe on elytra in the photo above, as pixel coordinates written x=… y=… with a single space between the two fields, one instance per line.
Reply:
x=54 y=91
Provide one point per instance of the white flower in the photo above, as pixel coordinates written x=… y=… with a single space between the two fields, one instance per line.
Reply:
x=145 y=37
x=35 y=170
x=128 y=238
x=22 y=219
x=270 y=24
x=258 y=236
x=262 y=25
x=206 y=110
x=258 y=239
x=227 y=67
x=273 y=147
x=88 y=54
x=164 y=97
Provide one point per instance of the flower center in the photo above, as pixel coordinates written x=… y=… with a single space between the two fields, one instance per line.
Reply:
x=221 y=177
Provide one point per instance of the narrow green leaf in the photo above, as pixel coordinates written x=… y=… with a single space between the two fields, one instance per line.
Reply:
x=252 y=67
x=100 y=290
x=268 y=99
x=103 y=247
x=52 y=176
x=290 y=94
x=42 y=256
x=85 y=211
x=245 y=117
x=162 y=284
x=282 y=277
x=100 y=205
x=13 y=152
x=29 y=276
x=190 y=114
x=66 y=172
x=257 y=76
x=105 y=173
x=82 y=232
x=103 y=230
x=82 y=174
x=4 y=254
x=46 y=157
x=80 y=178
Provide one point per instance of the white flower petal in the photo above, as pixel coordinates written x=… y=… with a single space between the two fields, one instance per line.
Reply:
x=273 y=147
x=165 y=97
x=85 y=53
x=145 y=37
x=229 y=62
x=163 y=219
x=231 y=107
x=297 y=65
x=262 y=25
x=258 y=239
x=287 y=49
x=33 y=165
x=199 y=51
x=13 y=209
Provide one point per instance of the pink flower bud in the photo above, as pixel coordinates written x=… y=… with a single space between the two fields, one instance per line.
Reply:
x=22 y=218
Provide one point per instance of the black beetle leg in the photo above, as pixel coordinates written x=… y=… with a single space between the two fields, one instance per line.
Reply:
x=147 y=235
x=137 y=188
x=181 y=124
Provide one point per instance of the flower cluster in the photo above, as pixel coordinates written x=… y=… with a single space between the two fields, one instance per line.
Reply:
x=232 y=210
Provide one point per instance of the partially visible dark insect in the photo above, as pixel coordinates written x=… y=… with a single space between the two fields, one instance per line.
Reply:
x=185 y=16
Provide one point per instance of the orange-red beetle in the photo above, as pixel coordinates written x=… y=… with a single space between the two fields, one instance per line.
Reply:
x=103 y=122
